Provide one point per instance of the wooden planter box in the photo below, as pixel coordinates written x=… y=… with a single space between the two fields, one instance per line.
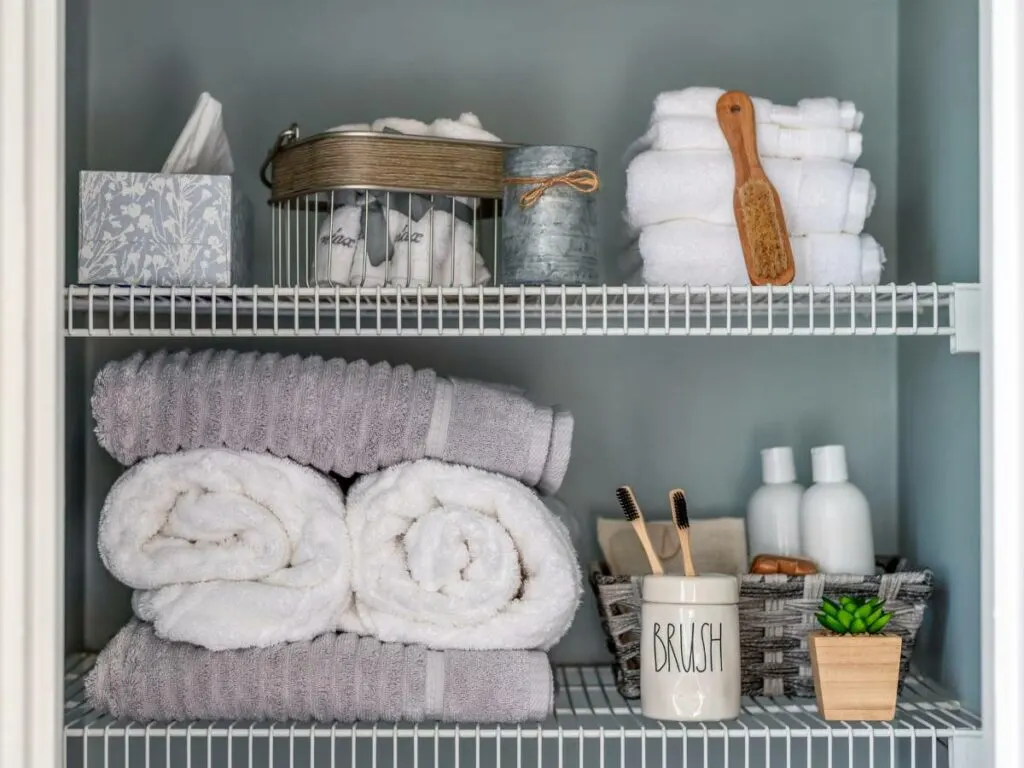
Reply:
x=855 y=677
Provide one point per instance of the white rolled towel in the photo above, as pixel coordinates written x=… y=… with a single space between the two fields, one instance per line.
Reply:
x=701 y=101
x=466 y=126
x=817 y=195
x=229 y=549
x=453 y=557
x=697 y=253
x=704 y=133
x=341 y=257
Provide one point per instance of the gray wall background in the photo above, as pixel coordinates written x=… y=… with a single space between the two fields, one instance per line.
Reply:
x=653 y=413
x=939 y=405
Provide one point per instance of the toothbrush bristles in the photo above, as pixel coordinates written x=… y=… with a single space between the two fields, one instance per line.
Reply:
x=628 y=502
x=679 y=511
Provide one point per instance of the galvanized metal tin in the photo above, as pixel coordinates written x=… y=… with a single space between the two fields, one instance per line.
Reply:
x=554 y=241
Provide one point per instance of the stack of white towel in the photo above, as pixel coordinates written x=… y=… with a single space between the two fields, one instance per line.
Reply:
x=438 y=249
x=442 y=582
x=680 y=181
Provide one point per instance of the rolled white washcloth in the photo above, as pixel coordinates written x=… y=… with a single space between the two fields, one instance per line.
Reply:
x=466 y=126
x=808 y=113
x=229 y=549
x=697 y=253
x=704 y=133
x=817 y=195
x=340 y=257
x=453 y=557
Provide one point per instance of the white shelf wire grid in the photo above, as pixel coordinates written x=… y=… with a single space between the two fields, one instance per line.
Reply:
x=885 y=310
x=592 y=726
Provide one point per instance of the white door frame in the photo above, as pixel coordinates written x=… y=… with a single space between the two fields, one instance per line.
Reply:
x=1002 y=378
x=31 y=390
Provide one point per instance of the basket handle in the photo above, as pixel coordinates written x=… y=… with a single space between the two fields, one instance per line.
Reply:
x=284 y=138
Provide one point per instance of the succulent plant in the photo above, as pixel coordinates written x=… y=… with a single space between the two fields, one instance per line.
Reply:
x=853 y=616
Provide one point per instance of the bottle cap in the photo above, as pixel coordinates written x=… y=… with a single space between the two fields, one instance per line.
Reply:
x=828 y=464
x=777 y=465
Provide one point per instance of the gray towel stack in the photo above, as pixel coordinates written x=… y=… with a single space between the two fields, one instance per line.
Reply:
x=333 y=415
x=335 y=677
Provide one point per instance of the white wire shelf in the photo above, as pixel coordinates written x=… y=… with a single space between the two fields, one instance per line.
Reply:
x=887 y=310
x=592 y=725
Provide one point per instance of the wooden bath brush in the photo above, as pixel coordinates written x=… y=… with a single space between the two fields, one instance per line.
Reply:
x=759 y=218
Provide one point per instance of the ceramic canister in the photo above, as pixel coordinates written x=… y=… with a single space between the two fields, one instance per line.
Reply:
x=690 y=648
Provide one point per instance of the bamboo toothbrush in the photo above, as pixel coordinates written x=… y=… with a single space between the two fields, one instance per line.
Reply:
x=759 y=218
x=677 y=500
x=636 y=518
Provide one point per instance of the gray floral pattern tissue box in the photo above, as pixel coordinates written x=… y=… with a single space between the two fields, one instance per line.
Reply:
x=163 y=229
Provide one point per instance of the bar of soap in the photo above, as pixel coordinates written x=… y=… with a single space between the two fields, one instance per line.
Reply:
x=790 y=566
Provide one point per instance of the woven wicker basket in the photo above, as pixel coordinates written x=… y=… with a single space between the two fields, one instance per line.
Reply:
x=338 y=160
x=776 y=615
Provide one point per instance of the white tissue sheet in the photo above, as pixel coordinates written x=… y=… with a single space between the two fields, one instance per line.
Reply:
x=202 y=146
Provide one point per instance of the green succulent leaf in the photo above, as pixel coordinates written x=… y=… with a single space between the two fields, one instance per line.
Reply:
x=880 y=623
x=858 y=627
x=829 y=607
x=875 y=601
x=874 y=616
x=848 y=603
x=845 y=618
x=829 y=623
x=864 y=611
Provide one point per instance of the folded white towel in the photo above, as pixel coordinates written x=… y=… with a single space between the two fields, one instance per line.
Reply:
x=342 y=259
x=230 y=549
x=808 y=113
x=817 y=195
x=698 y=253
x=453 y=557
x=704 y=133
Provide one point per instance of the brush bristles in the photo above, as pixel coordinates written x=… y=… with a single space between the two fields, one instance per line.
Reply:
x=628 y=503
x=764 y=230
x=679 y=511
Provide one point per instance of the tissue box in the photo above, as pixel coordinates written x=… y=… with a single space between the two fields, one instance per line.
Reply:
x=163 y=229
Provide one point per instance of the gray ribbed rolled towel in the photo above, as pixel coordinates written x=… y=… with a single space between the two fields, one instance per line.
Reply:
x=333 y=415
x=332 y=678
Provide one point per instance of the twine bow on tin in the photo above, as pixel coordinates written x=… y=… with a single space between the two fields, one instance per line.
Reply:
x=585 y=181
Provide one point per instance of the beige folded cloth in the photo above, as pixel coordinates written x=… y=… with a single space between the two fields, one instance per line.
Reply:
x=719 y=546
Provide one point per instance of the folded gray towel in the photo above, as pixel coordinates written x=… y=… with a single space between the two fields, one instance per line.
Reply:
x=336 y=416
x=333 y=678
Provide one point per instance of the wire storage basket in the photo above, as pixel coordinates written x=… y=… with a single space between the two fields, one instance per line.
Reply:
x=369 y=210
x=776 y=616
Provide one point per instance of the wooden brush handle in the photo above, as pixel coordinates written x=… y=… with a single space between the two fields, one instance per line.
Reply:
x=736 y=117
x=791 y=566
x=645 y=542
x=689 y=569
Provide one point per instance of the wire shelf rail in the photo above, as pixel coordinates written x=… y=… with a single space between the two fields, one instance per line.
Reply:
x=592 y=726
x=887 y=310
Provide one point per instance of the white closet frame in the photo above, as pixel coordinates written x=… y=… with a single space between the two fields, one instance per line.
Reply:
x=32 y=191
x=31 y=386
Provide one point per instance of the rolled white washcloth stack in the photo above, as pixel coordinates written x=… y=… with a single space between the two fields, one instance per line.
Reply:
x=437 y=250
x=428 y=252
x=680 y=180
